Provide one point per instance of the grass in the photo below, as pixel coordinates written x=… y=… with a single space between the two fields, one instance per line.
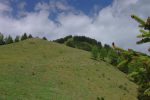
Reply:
x=35 y=69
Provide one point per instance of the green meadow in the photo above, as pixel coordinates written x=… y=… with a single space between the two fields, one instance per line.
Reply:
x=36 y=69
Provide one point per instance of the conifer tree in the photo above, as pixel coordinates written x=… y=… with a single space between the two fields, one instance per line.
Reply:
x=17 y=39
x=2 y=39
x=24 y=36
x=145 y=30
x=44 y=38
x=30 y=36
x=8 y=40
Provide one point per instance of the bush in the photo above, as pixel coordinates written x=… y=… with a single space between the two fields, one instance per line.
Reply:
x=70 y=43
x=123 y=66
x=95 y=52
x=103 y=53
x=112 y=55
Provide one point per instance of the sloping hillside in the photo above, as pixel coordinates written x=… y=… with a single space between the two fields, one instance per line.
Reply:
x=35 y=69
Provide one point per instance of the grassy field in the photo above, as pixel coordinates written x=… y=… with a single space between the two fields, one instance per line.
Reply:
x=35 y=69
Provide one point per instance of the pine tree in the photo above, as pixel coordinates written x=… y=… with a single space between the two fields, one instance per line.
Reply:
x=145 y=31
x=17 y=39
x=30 y=36
x=44 y=38
x=24 y=36
x=2 y=39
x=8 y=40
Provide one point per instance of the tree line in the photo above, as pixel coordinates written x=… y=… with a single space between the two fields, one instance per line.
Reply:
x=8 y=39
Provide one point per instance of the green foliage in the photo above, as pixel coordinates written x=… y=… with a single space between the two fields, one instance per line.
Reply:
x=147 y=92
x=145 y=34
x=70 y=43
x=2 y=39
x=24 y=36
x=63 y=40
x=8 y=40
x=44 y=38
x=95 y=52
x=17 y=39
x=113 y=57
x=84 y=46
x=80 y=42
x=142 y=76
x=144 y=40
x=107 y=47
x=141 y=21
x=138 y=76
x=144 y=91
x=103 y=53
x=30 y=36
x=87 y=39
x=123 y=66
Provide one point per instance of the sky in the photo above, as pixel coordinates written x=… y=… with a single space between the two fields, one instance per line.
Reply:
x=104 y=20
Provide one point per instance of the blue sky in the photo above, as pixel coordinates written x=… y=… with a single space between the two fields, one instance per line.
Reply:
x=85 y=6
x=104 y=20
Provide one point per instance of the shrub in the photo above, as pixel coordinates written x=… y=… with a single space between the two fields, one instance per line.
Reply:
x=123 y=66
x=103 y=53
x=95 y=52
x=70 y=43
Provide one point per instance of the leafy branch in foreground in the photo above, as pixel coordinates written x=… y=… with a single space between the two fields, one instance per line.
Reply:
x=144 y=88
x=145 y=31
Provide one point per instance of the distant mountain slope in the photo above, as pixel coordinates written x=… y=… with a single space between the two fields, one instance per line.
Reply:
x=35 y=69
x=80 y=42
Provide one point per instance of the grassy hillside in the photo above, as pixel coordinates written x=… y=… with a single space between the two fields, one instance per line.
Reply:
x=35 y=69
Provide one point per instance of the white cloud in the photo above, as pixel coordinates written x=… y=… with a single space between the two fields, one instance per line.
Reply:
x=4 y=8
x=111 y=24
x=54 y=5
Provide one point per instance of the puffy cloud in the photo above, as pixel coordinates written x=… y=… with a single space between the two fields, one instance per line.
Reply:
x=111 y=24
